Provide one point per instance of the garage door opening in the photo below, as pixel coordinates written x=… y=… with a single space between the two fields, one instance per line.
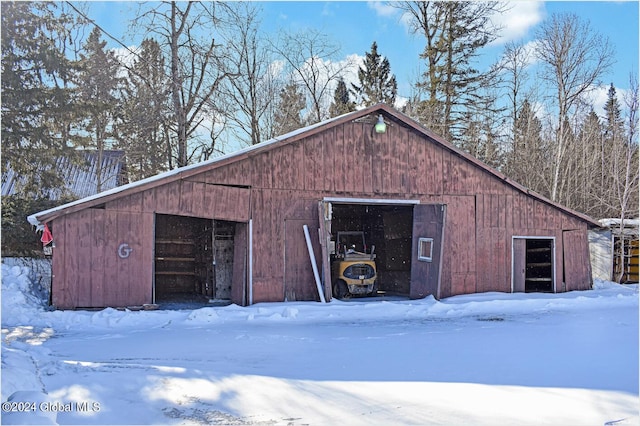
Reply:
x=533 y=265
x=388 y=228
x=408 y=239
x=193 y=260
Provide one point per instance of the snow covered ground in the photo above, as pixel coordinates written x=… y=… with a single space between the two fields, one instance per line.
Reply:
x=493 y=358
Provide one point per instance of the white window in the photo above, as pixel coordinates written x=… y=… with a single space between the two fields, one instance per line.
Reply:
x=425 y=249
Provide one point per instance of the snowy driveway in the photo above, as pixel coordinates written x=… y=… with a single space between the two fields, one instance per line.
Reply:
x=481 y=359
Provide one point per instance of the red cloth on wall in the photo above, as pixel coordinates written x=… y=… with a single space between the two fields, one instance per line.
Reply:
x=47 y=237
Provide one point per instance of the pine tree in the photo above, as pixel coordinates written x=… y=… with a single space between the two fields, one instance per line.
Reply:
x=614 y=125
x=525 y=162
x=454 y=32
x=591 y=157
x=342 y=102
x=289 y=114
x=98 y=83
x=144 y=119
x=37 y=101
x=377 y=84
x=621 y=162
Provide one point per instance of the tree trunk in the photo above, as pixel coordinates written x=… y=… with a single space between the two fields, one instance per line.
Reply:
x=176 y=86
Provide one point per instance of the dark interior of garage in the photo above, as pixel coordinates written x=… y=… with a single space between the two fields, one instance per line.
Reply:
x=389 y=229
x=539 y=266
x=193 y=259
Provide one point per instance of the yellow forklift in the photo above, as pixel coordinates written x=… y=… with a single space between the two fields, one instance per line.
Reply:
x=353 y=270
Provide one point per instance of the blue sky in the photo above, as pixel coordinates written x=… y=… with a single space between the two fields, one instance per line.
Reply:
x=355 y=25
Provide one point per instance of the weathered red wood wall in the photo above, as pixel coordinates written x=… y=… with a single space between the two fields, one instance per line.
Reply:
x=483 y=213
x=87 y=271
x=278 y=187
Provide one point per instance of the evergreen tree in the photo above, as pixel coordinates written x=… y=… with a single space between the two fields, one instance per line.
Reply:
x=289 y=114
x=98 y=83
x=454 y=32
x=144 y=118
x=342 y=103
x=471 y=137
x=614 y=125
x=37 y=102
x=525 y=161
x=591 y=157
x=620 y=158
x=377 y=84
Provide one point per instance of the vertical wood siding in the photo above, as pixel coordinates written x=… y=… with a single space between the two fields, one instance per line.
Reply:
x=574 y=250
x=278 y=188
x=88 y=271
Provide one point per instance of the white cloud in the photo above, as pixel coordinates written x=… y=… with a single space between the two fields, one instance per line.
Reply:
x=327 y=9
x=351 y=63
x=382 y=8
x=128 y=55
x=530 y=49
x=598 y=98
x=517 y=20
x=276 y=67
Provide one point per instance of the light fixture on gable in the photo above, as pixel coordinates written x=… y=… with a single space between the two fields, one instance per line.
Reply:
x=381 y=126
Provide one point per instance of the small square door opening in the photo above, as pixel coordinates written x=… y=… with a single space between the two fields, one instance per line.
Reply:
x=425 y=249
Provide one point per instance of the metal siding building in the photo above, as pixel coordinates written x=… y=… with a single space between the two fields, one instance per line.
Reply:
x=80 y=178
x=232 y=227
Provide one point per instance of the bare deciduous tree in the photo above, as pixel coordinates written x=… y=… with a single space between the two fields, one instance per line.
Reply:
x=574 y=58
x=187 y=32
x=626 y=166
x=254 y=86
x=312 y=59
x=515 y=60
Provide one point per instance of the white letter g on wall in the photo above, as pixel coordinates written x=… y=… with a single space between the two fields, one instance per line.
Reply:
x=124 y=250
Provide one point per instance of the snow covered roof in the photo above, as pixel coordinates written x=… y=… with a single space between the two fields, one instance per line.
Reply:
x=632 y=223
x=630 y=228
x=38 y=219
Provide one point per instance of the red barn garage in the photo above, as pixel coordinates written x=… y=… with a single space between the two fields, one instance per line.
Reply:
x=233 y=228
